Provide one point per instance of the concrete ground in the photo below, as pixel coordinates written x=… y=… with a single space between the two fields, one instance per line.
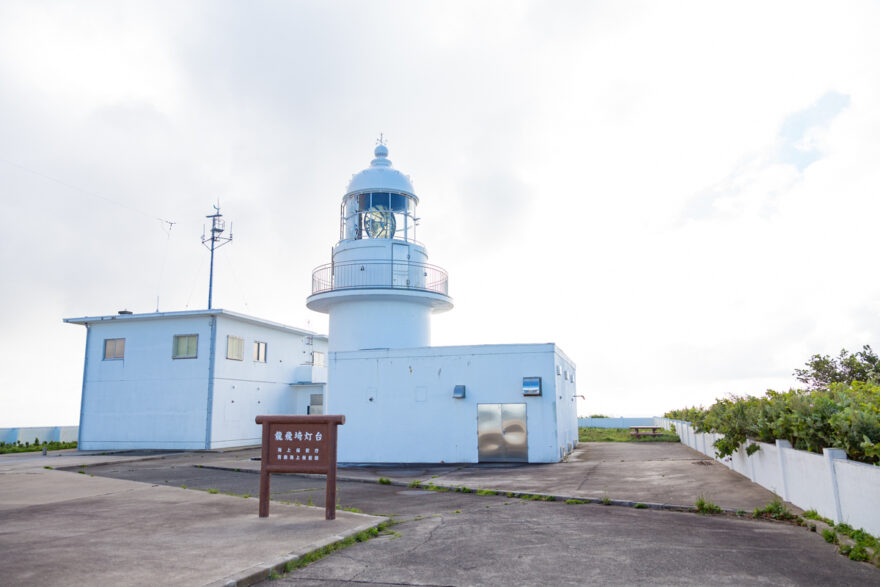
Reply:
x=452 y=538
x=65 y=528
x=658 y=473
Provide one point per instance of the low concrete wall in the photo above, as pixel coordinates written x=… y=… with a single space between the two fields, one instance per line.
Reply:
x=614 y=422
x=837 y=488
x=50 y=433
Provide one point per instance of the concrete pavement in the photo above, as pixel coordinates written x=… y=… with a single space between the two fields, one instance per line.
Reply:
x=452 y=538
x=660 y=473
x=62 y=527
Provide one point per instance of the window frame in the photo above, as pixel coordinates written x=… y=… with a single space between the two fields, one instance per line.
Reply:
x=174 y=345
x=240 y=341
x=115 y=348
x=259 y=344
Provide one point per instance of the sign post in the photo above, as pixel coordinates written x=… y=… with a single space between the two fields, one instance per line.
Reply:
x=299 y=444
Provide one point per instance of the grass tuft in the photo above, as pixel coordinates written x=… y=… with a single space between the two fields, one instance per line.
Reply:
x=704 y=506
x=775 y=510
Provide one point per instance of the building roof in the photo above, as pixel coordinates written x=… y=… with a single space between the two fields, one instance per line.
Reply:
x=380 y=176
x=86 y=320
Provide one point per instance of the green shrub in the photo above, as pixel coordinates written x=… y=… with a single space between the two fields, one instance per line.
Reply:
x=844 y=415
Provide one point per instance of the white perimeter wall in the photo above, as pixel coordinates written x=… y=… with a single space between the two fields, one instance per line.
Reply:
x=43 y=433
x=147 y=399
x=399 y=407
x=837 y=488
x=243 y=389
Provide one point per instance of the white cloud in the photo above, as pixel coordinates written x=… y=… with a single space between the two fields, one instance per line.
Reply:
x=611 y=177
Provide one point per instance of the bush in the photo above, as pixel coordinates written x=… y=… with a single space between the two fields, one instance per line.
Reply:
x=845 y=415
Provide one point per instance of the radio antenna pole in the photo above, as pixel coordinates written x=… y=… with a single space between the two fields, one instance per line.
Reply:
x=216 y=240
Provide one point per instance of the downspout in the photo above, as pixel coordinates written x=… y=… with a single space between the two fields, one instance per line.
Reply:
x=82 y=401
x=210 y=407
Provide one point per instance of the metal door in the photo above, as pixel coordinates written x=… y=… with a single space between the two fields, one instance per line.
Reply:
x=502 y=436
x=400 y=265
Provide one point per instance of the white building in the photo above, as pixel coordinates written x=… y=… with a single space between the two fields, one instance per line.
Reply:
x=193 y=380
x=405 y=401
x=197 y=380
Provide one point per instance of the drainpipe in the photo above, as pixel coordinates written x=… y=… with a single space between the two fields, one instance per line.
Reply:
x=210 y=407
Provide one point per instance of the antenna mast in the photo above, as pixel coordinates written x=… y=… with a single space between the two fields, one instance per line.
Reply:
x=217 y=240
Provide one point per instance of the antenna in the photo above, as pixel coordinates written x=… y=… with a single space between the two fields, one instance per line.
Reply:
x=217 y=240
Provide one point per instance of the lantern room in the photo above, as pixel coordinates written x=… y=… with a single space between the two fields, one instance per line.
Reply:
x=370 y=211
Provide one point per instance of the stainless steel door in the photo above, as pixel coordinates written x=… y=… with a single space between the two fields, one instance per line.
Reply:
x=513 y=428
x=502 y=435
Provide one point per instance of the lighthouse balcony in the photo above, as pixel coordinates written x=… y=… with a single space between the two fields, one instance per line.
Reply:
x=404 y=275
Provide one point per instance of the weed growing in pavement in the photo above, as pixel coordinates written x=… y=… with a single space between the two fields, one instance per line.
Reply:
x=48 y=467
x=740 y=512
x=353 y=510
x=606 y=500
x=775 y=510
x=486 y=492
x=830 y=536
x=384 y=481
x=245 y=495
x=574 y=501
x=640 y=506
x=857 y=553
x=309 y=501
x=213 y=491
x=704 y=506
x=415 y=484
x=320 y=553
x=457 y=512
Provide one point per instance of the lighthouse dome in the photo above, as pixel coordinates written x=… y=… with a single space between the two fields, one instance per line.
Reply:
x=380 y=176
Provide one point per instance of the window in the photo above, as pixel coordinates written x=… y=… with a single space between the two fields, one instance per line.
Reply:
x=234 y=348
x=260 y=351
x=114 y=348
x=185 y=346
x=318 y=359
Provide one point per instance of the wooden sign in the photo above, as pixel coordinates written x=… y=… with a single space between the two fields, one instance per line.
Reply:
x=299 y=444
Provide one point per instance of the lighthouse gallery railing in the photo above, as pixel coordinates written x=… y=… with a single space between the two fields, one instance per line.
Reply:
x=380 y=274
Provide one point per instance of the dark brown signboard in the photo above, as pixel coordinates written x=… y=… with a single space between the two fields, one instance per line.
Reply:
x=299 y=444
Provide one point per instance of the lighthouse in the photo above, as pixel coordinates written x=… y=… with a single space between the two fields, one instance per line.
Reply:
x=379 y=289
x=405 y=401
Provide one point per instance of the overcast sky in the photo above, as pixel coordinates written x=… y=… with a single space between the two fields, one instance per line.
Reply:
x=683 y=196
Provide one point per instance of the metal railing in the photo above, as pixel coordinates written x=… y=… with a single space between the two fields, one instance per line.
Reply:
x=380 y=274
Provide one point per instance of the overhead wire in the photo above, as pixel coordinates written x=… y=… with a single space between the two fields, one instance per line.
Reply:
x=85 y=191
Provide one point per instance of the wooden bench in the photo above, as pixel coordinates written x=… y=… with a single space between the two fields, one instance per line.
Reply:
x=636 y=431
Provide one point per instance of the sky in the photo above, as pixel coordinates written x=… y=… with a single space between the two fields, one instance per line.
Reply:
x=682 y=195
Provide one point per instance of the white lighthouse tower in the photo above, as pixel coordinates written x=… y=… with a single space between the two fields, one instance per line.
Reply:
x=378 y=288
